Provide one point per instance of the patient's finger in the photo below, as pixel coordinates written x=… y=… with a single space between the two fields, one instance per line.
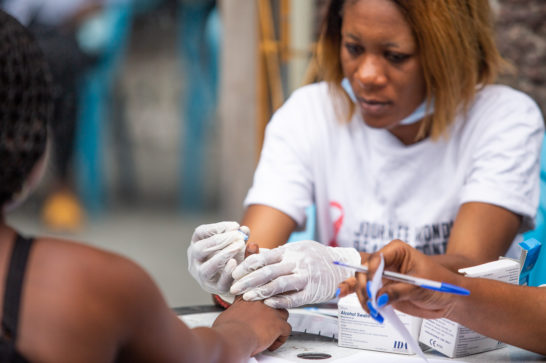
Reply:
x=277 y=343
x=252 y=248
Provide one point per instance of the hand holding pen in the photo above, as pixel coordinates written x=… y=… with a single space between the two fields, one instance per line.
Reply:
x=403 y=296
x=408 y=279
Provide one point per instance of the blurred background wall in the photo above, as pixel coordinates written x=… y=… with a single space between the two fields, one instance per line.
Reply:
x=521 y=38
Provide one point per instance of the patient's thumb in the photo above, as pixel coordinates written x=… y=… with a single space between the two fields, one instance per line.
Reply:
x=252 y=248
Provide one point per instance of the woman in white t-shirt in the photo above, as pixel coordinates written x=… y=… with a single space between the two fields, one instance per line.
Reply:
x=406 y=138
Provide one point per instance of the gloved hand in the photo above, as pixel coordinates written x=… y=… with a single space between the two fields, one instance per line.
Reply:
x=214 y=252
x=303 y=270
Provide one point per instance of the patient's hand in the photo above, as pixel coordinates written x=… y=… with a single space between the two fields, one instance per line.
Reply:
x=268 y=327
x=267 y=324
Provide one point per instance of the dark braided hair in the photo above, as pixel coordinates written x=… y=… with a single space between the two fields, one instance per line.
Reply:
x=25 y=105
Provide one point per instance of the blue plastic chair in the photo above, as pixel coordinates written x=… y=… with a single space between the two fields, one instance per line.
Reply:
x=538 y=274
x=199 y=44
x=95 y=102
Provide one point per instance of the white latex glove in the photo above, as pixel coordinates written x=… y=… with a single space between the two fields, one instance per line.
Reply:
x=214 y=252
x=304 y=269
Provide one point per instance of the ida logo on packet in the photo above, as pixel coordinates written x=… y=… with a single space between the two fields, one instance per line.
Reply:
x=400 y=345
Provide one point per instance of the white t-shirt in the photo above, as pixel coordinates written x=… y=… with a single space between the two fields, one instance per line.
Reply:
x=369 y=188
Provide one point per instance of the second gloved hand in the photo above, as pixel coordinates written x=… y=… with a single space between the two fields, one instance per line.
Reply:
x=294 y=274
x=214 y=252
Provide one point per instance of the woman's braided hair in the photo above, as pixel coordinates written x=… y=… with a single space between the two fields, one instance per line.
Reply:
x=25 y=105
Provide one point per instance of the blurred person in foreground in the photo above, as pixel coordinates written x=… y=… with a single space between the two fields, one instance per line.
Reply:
x=57 y=26
x=510 y=313
x=66 y=302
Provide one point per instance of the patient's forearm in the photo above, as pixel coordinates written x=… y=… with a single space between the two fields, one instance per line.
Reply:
x=224 y=344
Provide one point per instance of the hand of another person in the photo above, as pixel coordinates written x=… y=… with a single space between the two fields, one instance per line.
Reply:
x=347 y=287
x=214 y=252
x=294 y=274
x=401 y=257
x=268 y=325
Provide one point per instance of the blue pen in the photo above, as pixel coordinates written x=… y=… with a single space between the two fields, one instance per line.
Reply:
x=424 y=283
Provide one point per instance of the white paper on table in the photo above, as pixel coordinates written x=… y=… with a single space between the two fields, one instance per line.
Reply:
x=379 y=357
x=199 y=319
x=262 y=358
x=358 y=357
x=306 y=321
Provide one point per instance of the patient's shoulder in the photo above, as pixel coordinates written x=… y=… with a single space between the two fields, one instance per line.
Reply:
x=85 y=266
x=79 y=295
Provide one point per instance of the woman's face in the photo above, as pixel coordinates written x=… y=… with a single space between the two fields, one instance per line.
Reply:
x=379 y=56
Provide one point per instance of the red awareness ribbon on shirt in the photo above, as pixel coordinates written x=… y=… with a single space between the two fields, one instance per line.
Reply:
x=337 y=224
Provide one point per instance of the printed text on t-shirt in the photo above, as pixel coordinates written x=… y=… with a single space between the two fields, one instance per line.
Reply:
x=431 y=239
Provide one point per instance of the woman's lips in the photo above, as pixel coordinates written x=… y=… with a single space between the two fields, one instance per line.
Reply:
x=373 y=107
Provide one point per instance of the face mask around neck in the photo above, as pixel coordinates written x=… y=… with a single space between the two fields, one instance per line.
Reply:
x=419 y=113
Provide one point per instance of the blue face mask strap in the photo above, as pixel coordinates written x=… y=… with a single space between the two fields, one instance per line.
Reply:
x=419 y=113
x=347 y=87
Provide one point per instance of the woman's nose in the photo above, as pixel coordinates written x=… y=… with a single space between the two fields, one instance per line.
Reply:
x=370 y=73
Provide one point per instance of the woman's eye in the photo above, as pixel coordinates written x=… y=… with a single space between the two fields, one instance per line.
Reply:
x=354 y=49
x=396 y=57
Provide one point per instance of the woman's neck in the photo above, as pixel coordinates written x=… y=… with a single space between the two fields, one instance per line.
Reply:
x=407 y=134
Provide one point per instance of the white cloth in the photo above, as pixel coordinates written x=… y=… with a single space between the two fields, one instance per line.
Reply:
x=369 y=188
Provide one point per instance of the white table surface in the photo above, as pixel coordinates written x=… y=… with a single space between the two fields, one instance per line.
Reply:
x=308 y=343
